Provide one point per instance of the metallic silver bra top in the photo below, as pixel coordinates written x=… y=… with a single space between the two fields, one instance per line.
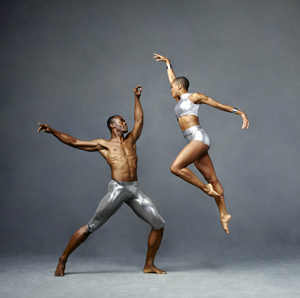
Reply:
x=185 y=107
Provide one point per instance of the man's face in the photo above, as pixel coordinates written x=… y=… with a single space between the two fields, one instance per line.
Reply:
x=120 y=124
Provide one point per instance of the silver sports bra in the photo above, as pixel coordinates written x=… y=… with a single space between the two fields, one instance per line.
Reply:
x=185 y=107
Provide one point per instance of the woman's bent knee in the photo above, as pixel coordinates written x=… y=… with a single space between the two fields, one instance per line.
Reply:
x=174 y=169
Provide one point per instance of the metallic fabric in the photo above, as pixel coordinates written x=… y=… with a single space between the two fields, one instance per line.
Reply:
x=129 y=193
x=196 y=133
x=185 y=107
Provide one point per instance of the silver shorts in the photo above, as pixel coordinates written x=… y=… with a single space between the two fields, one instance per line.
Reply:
x=129 y=193
x=196 y=133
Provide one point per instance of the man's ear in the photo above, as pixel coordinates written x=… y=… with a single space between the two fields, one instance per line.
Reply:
x=112 y=125
x=179 y=86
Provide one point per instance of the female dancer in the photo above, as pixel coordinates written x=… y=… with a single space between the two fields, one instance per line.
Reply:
x=196 y=151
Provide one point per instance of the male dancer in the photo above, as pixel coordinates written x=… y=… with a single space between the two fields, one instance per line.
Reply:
x=120 y=154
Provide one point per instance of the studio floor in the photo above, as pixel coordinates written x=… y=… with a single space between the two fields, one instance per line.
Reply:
x=118 y=276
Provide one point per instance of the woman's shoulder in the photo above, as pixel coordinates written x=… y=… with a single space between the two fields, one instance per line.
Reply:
x=195 y=98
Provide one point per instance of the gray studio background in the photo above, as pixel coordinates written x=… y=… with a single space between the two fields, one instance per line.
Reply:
x=72 y=64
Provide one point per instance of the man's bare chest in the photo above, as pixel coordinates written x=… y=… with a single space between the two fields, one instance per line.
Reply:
x=121 y=152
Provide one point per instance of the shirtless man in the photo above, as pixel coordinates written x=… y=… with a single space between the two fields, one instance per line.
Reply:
x=120 y=154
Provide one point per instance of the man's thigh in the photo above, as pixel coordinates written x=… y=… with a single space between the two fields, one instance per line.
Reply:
x=107 y=206
x=144 y=208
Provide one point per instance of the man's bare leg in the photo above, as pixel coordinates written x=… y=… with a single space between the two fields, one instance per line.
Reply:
x=79 y=237
x=154 y=241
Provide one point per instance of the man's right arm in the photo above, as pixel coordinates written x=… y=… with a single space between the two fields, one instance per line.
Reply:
x=71 y=141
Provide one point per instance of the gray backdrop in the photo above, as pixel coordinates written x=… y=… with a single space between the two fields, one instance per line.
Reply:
x=72 y=64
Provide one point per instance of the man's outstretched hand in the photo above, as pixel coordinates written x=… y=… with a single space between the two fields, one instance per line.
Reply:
x=45 y=128
x=138 y=90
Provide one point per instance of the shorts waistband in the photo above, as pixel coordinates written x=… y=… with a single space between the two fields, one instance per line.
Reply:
x=191 y=130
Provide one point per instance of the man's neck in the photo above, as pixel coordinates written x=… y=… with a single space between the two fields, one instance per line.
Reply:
x=116 y=136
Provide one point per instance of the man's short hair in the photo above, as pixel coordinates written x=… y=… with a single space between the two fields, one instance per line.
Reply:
x=183 y=81
x=111 y=120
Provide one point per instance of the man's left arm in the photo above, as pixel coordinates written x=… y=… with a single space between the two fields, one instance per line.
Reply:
x=138 y=114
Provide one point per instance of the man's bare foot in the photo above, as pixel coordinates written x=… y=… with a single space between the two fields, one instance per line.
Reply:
x=224 y=222
x=60 y=269
x=211 y=192
x=153 y=269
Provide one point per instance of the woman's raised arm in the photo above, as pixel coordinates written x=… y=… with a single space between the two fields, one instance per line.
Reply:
x=170 y=72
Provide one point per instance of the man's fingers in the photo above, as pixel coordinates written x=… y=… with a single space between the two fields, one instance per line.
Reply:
x=40 y=124
x=43 y=127
x=136 y=89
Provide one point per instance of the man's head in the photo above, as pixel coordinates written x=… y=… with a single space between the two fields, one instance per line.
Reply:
x=179 y=86
x=118 y=123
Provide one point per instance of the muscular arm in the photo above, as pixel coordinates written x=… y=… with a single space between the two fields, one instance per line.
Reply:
x=170 y=72
x=71 y=141
x=199 y=98
x=138 y=114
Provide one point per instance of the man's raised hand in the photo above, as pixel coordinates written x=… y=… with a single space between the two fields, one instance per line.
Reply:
x=138 y=90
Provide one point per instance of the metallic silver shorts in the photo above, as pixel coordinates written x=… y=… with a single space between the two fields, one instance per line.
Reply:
x=196 y=133
x=129 y=193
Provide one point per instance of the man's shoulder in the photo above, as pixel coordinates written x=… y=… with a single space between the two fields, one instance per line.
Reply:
x=102 y=142
x=109 y=143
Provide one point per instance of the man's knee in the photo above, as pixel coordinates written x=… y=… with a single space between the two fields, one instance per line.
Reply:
x=86 y=230
x=92 y=227
x=160 y=224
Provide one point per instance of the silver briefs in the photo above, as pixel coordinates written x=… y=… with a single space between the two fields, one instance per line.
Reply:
x=196 y=133
x=129 y=193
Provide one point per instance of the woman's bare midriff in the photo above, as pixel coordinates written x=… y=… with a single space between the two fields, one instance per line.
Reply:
x=188 y=121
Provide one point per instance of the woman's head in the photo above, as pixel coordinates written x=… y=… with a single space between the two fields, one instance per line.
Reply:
x=183 y=81
x=179 y=86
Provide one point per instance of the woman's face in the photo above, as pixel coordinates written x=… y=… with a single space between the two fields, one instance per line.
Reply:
x=174 y=90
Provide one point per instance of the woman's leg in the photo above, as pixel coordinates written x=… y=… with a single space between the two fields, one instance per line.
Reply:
x=189 y=154
x=206 y=168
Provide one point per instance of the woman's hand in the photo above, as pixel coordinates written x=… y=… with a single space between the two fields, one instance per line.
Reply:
x=161 y=58
x=170 y=71
x=245 y=120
